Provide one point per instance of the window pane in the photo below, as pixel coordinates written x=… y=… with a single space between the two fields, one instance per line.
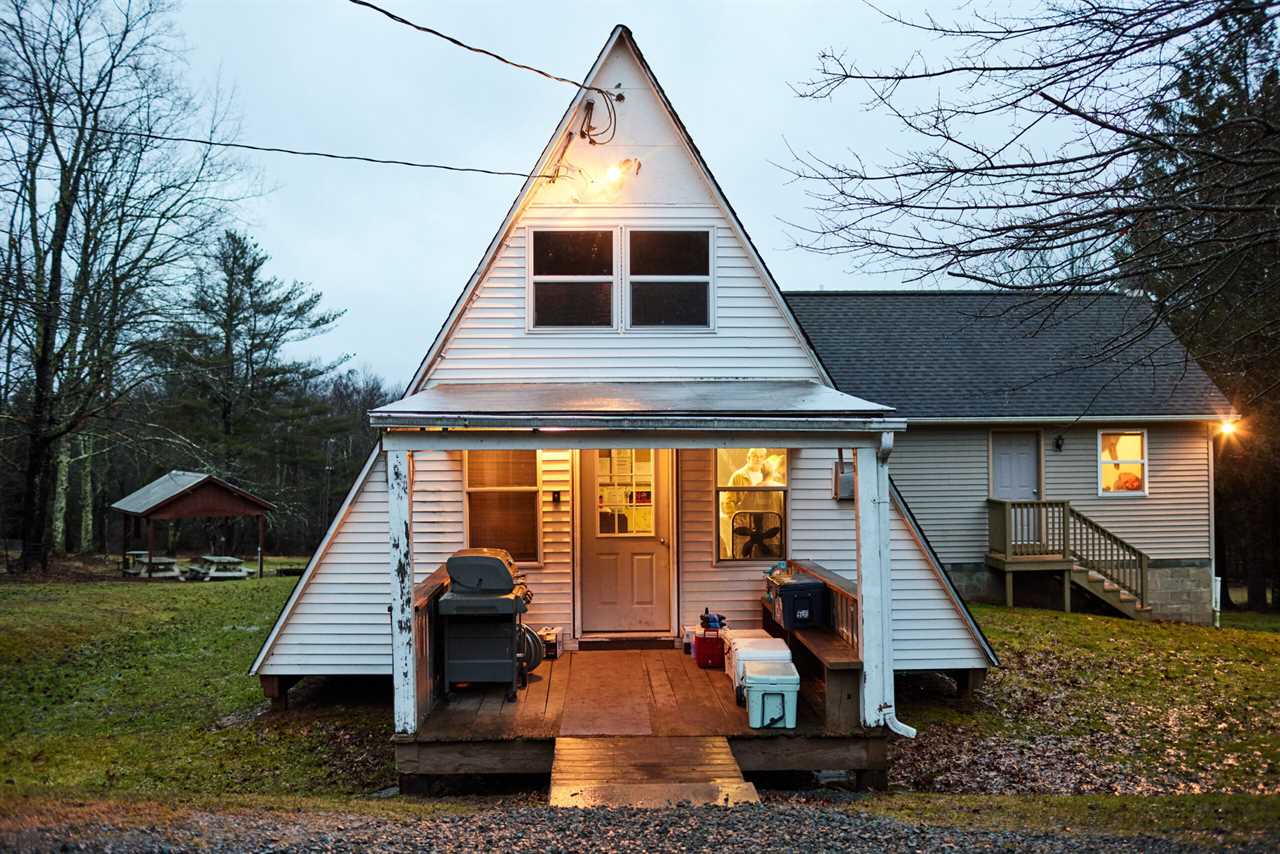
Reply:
x=1123 y=477
x=1122 y=446
x=669 y=304
x=670 y=253
x=751 y=524
x=573 y=253
x=573 y=304
x=502 y=468
x=751 y=467
x=504 y=520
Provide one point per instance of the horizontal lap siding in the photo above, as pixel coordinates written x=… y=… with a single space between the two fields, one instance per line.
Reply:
x=731 y=588
x=943 y=476
x=339 y=625
x=928 y=631
x=752 y=337
x=552 y=583
x=1172 y=521
x=822 y=529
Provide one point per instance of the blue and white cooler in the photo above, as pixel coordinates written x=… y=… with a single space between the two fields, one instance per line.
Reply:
x=745 y=648
x=771 y=688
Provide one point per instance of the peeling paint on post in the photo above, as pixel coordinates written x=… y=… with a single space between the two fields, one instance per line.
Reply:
x=400 y=555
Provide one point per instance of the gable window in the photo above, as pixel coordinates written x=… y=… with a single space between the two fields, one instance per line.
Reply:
x=751 y=503
x=1122 y=462
x=669 y=276
x=572 y=278
x=502 y=502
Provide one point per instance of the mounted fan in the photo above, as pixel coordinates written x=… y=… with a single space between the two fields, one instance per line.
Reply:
x=757 y=534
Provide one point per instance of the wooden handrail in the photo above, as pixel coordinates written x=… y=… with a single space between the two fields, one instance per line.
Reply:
x=1049 y=529
x=843 y=599
x=426 y=637
x=1098 y=549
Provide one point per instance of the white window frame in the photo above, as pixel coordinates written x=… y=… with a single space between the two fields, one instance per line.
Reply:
x=468 y=489
x=530 y=323
x=716 y=489
x=653 y=496
x=709 y=278
x=1145 y=462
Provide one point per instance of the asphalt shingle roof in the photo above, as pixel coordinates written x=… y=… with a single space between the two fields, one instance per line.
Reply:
x=980 y=354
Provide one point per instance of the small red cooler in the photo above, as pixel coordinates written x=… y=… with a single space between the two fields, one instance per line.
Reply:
x=708 y=649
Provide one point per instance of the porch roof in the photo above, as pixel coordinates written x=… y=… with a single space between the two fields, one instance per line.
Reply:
x=711 y=405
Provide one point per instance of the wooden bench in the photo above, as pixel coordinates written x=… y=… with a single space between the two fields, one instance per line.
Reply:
x=827 y=658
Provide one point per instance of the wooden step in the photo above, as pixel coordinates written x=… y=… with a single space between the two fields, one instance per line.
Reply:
x=646 y=771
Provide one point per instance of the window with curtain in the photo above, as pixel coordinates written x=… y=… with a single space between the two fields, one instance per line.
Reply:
x=751 y=503
x=502 y=502
x=1122 y=462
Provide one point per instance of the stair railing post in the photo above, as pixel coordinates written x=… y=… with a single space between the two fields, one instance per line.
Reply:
x=1066 y=532
x=1142 y=577
x=1008 y=529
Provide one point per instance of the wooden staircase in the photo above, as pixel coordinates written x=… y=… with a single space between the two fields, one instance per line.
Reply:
x=1053 y=535
x=1110 y=592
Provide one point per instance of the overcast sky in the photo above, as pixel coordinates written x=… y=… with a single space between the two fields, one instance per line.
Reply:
x=394 y=246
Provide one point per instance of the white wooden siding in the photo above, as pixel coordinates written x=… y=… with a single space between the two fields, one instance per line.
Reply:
x=943 y=475
x=552 y=583
x=732 y=588
x=1172 y=520
x=822 y=529
x=339 y=625
x=752 y=338
x=928 y=630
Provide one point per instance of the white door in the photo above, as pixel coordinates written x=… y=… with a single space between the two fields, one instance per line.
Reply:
x=1015 y=461
x=626 y=557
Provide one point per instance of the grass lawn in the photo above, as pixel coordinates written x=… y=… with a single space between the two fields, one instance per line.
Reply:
x=137 y=692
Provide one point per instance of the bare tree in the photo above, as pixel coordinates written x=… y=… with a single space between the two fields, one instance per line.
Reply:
x=1046 y=159
x=103 y=218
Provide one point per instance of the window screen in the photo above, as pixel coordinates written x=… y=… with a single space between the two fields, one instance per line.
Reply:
x=670 y=278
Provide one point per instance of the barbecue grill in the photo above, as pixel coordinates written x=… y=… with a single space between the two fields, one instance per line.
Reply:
x=484 y=640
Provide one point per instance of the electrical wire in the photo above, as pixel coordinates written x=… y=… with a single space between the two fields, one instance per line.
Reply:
x=298 y=152
x=596 y=136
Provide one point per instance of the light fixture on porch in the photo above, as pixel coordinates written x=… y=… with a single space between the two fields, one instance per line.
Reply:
x=1227 y=427
x=1059 y=441
x=615 y=173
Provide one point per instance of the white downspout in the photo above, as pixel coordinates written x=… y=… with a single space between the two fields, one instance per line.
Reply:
x=875 y=587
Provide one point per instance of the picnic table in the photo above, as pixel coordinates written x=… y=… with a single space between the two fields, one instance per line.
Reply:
x=212 y=567
x=153 y=566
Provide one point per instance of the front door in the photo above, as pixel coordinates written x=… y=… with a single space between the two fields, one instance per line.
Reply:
x=1015 y=463
x=626 y=556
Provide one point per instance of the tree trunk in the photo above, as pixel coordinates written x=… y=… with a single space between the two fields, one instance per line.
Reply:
x=61 y=479
x=1256 y=581
x=86 y=494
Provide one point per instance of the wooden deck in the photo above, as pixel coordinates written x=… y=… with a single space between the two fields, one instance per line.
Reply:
x=632 y=692
x=618 y=693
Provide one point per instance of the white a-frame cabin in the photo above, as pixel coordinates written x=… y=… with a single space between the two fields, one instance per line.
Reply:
x=622 y=399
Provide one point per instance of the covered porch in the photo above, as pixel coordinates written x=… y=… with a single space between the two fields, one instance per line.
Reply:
x=656 y=692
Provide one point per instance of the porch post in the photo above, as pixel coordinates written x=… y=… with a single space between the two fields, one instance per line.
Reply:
x=400 y=557
x=874 y=587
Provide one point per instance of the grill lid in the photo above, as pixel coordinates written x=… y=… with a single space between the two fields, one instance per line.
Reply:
x=485 y=571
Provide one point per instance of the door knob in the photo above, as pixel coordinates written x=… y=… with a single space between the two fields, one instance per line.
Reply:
x=662 y=540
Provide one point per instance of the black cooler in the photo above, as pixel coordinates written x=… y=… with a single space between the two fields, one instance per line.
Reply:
x=799 y=600
x=481 y=618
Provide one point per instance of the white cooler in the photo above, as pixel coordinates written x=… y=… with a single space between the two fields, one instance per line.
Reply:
x=729 y=635
x=771 y=688
x=752 y=649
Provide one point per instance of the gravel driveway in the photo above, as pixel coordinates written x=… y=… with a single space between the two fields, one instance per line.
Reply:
x=796 y=827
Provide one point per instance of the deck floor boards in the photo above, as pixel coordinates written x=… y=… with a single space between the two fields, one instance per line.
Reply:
x=605 y=693
x=647 y=771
